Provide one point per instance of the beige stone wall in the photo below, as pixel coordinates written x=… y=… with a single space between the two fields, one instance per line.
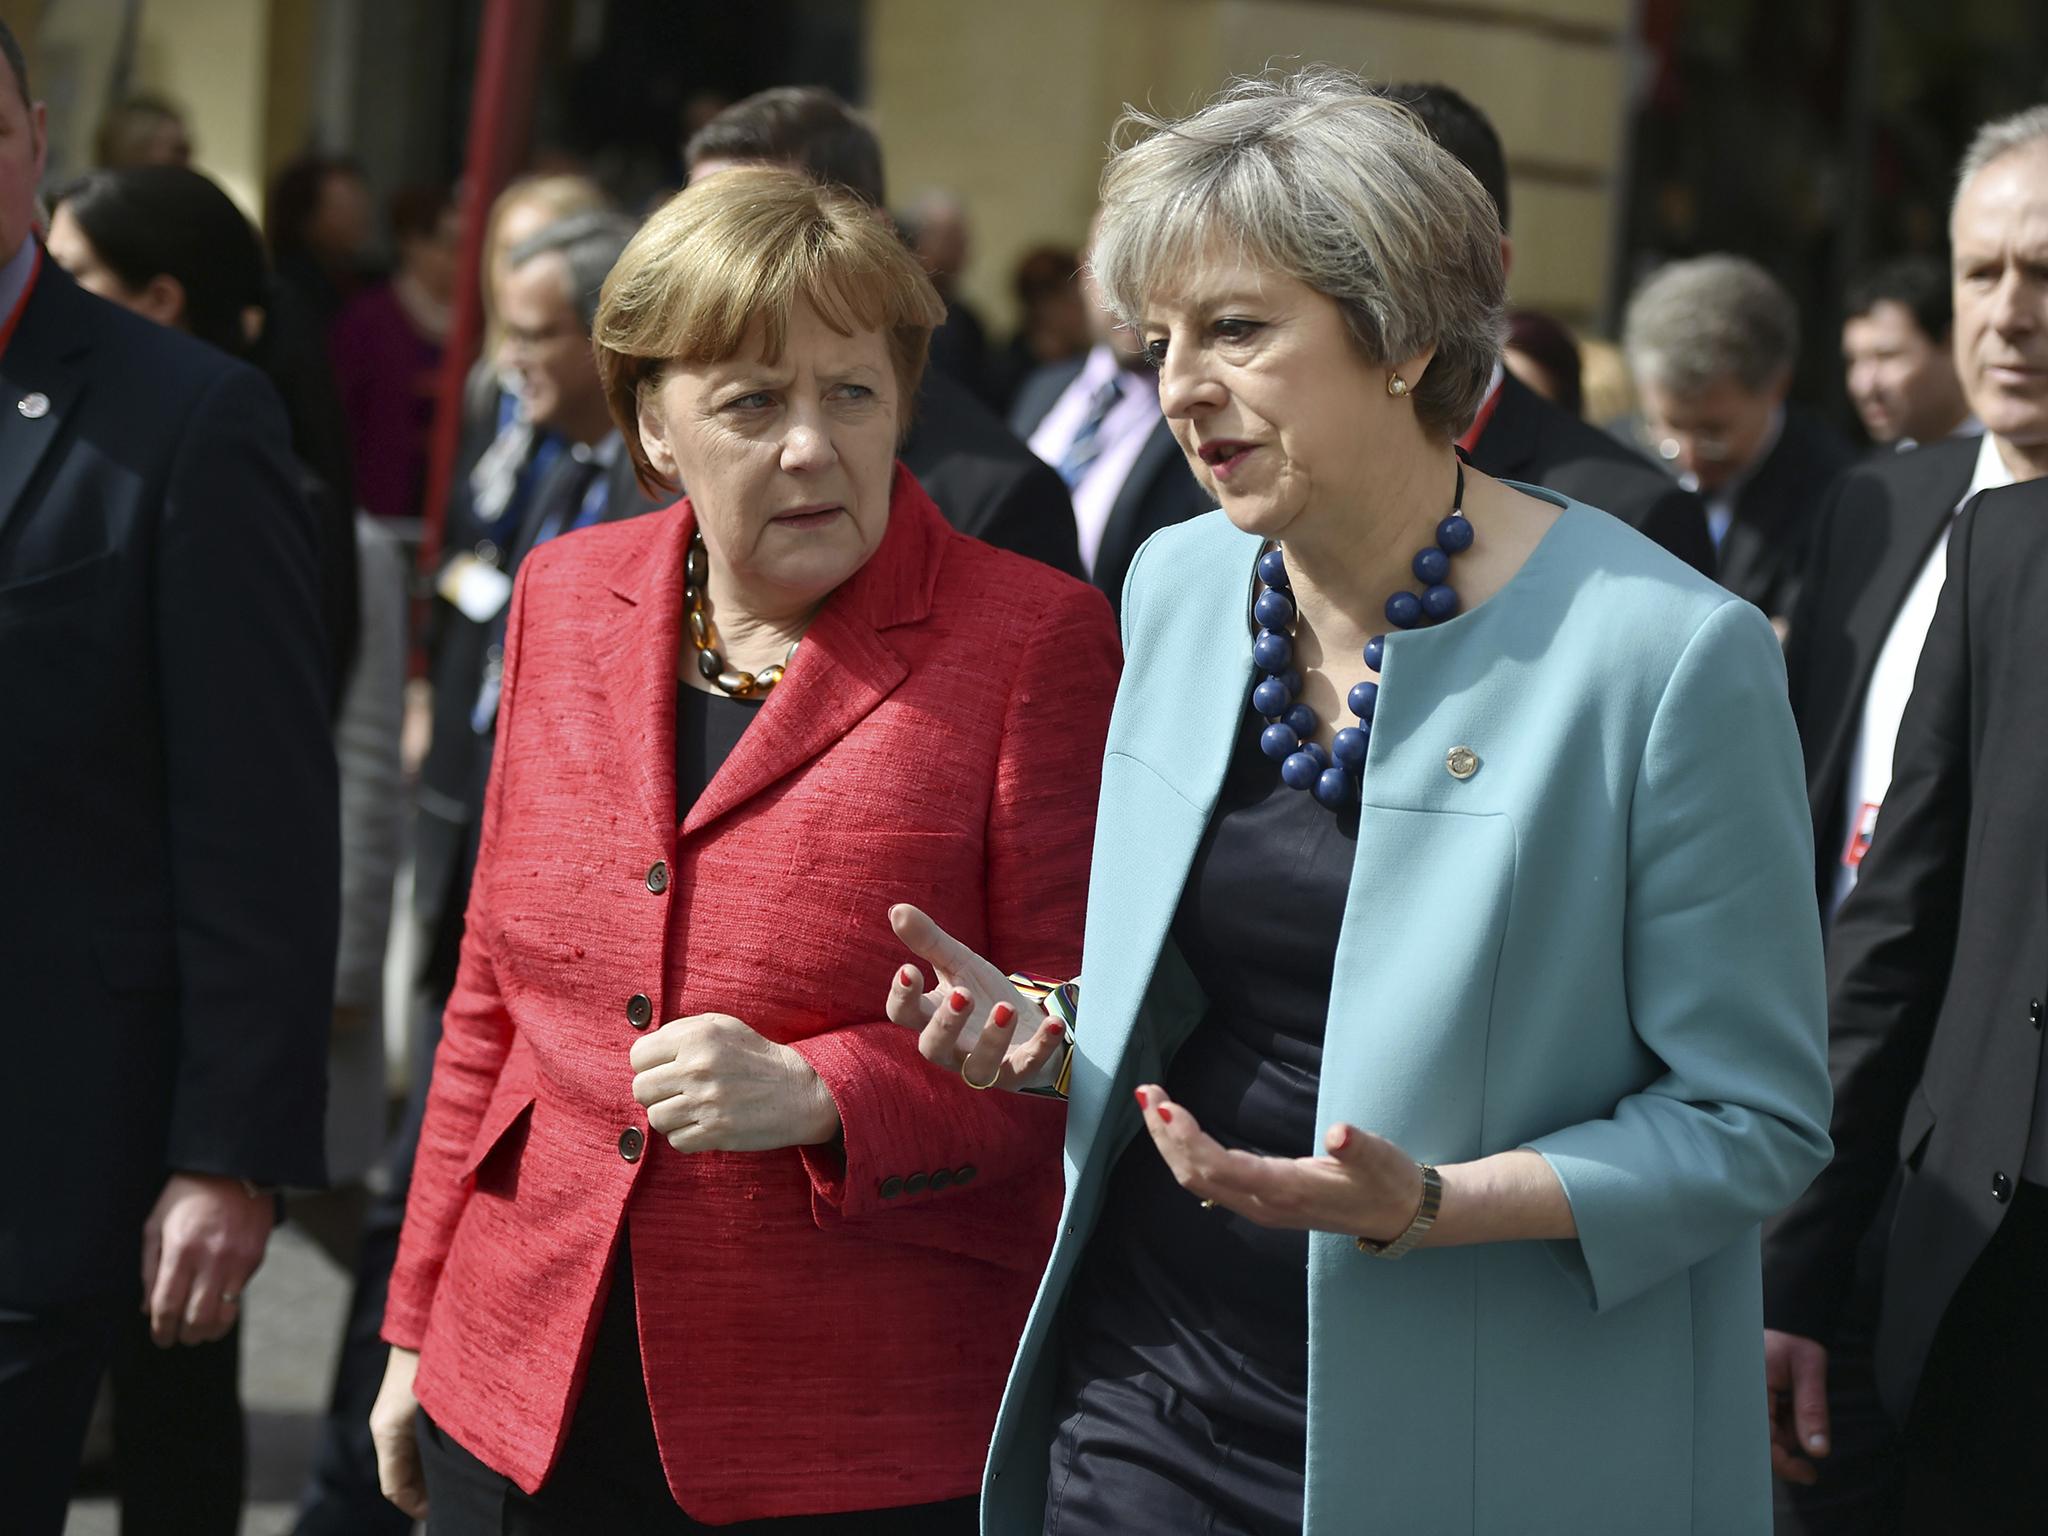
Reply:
x=1010 y=105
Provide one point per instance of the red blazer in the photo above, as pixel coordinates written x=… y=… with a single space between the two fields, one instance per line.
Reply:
x=817 y=1334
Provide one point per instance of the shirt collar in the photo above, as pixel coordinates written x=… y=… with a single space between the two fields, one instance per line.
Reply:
x=14 y=275
x=1991 y=472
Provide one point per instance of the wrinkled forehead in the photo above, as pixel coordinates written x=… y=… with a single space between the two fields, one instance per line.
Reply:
x=1167 y=275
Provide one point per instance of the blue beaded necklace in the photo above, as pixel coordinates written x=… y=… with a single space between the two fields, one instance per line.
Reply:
x=1333 y=775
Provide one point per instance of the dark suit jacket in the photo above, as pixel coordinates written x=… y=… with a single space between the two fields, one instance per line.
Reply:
x=1763 y=553
x=458 y=761
x=169 y=861
x=986 y=482
x=1872 y=536
x=1939 y=962
x=1531 y=440
x=1159 y=491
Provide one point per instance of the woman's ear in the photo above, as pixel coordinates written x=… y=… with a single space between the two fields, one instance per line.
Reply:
x=654 y=432
x=162 y=299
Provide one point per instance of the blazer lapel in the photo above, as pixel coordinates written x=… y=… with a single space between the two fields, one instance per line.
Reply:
x=1507 y=447
x=842 y=669
x=1178 y=713
x=1126 y=528
x=637 y=651
x=42 y=375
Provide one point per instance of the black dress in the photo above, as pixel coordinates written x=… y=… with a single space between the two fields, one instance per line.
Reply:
x=609 y=1475
x=1184 y=1378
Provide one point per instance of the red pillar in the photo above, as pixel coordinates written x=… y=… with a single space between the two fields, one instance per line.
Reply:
x=500 y=134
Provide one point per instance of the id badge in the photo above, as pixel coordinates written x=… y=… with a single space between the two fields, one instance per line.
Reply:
x=479 y=592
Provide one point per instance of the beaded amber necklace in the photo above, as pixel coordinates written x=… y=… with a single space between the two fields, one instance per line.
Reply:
x=704 y=635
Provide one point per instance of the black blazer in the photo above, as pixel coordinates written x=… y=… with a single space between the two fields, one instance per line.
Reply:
x=986 y=482
x=458 y=761
x=1938 y=964
x=169 y=860
x=1763 y=553
x=1159 y=491
x=1874 y=532
x=1531 y=440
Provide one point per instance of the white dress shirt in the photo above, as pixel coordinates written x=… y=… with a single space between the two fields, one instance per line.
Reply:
x=1891 y=684
x=1124 y=431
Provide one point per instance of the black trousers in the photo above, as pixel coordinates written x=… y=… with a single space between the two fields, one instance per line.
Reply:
x=1976 y=1440
x=50 y=1367
x=609 y=1477
x=180 y=1452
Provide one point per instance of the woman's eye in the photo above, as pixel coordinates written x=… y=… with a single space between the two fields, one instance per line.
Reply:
x=758 y=400
x=854 y=392
x=1155 y=352
x=1234 y=329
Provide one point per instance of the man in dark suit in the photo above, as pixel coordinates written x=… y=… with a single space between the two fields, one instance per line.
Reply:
x=1938 y=971
x=1096 y=421
x=1879 y=560
x=554 y=465
x=1712 y=342
x=982 y=478
x=1518 y=435
x=170 y=885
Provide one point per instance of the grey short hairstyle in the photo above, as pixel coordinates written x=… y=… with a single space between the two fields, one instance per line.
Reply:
x=1322 y=178
x=1694 y=323
x=591 y=242
x=1997 y=139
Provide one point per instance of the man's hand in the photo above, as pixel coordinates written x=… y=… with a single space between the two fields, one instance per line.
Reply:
x=1796 y=1384
x=199 y=1248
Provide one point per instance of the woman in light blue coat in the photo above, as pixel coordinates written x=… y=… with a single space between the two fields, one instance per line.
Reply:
x=1452 y=1010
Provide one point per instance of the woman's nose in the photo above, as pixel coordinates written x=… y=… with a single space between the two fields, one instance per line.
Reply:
x=807 y=448
x=1187 y=389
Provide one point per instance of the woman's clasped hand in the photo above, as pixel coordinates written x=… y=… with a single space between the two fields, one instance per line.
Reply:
x=710 y=1083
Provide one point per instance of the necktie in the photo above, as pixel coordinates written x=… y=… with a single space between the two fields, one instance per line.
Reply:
x=1087 y=443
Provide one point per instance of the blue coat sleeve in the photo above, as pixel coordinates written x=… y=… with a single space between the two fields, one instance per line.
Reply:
x=1722 y=956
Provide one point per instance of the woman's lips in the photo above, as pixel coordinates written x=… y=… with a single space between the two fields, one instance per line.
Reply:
x=803 y=518
x=1232 y=456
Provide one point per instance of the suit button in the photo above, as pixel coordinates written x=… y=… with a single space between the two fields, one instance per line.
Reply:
x=2001 y=1188
x=941 y=1179
x=916 y=1183
x=657 y=877
x=2034 y=1013
x=964 y=1175
x=891 y=1188
x=639 y=1011
x=487 y=552
x=631 y=1143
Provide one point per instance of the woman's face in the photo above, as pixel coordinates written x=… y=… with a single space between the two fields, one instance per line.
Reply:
x=788 y=464
x=1277 y=409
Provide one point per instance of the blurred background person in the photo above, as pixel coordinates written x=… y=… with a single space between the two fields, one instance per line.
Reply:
x=165 y=682
x=1096 y=420
x=142 y=130
x=320 y=221
x=1712 y=342
x=385 y=349
x=559 y=465
x=981 y=475
x=168 y=244
x=936 y=227
x=1052 y=324
x=1880 y=561
x=1609 y=392
x=1517 y=434
x=618 y=1346
x=1544 y=355
x=1898 y=355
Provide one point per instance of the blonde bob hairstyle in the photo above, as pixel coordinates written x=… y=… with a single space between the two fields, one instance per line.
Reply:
x=743 y=248
x=1322 y=178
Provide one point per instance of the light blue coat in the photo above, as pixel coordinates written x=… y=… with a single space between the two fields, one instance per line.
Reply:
x=1602 y=945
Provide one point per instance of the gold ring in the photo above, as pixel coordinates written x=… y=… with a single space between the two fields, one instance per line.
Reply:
x=231 y=1298
x=1208 y=1205
x=981 y=1087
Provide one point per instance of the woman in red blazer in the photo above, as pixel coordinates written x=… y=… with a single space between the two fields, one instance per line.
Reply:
x=739 y=1265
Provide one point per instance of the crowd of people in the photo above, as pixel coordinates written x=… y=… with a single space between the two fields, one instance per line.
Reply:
x=1262 y=910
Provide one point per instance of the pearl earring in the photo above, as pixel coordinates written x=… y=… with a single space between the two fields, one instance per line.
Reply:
x=1396 y=385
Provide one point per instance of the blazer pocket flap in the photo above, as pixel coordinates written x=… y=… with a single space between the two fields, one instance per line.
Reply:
x=504 y=1122
x=67 y=584
x=1915 y=1127
x=137 y=959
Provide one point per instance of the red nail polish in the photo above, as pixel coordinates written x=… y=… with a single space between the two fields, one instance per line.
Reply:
x=907 y=976
x=999 y=1017
x=1142 y=1103
x=1056 y=1029
x=1165 y=1115
x=960 y=1001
